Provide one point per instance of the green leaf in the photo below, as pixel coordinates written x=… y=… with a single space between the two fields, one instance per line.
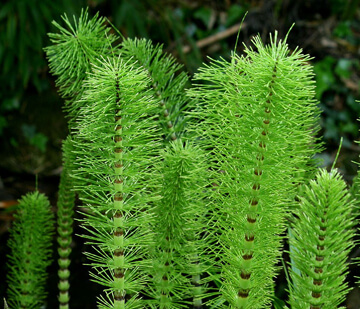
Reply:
x=167 y=83
x=36 y=139
x=5 y=304
x=29 y=131
x=343 y=30
x=278 y=303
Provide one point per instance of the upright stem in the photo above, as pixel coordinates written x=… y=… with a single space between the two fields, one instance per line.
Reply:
x=120 y=292
x=65 y=214
x=252 y=212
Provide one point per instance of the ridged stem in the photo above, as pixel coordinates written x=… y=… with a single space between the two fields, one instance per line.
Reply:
x=119 y=279
x=164 y=111
x=65 y=212
x=252 y=214
x=167 y=85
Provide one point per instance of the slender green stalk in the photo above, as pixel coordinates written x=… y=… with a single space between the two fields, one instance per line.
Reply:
x=117 y=144
x=30 y=244
x=258 y=119
x=65 y=213
x=322 y=236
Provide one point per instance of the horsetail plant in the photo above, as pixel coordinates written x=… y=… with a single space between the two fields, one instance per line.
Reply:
x=30 y=243
x=167 y=83
x=178 y=260
x=117 y=143
x=188 y=218
x=258 y=120
x=322 y=236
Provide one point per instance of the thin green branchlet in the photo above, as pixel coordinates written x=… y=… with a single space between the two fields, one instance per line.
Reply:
x=30 y=243
x=322 y=236
x=258 y=120
x=117 y=144
x=167 y=84
x=65 y=213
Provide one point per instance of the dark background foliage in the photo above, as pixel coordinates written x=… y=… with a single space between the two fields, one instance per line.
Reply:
x=32 y=125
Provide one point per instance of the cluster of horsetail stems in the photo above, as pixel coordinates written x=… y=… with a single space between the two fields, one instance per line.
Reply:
x=193 y=217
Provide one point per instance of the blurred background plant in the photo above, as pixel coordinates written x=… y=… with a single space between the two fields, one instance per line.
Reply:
x=32 y=125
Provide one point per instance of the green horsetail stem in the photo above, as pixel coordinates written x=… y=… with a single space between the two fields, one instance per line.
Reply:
x=117 y=144
x=322 y=238
x=166 y=81
x=258 y=118
x=176 y=261
x=30 y=243
x=65 y=213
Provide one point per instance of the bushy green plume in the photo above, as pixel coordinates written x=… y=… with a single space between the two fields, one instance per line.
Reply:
x=30 y=243
x=117 y=144
x=257 y=117
x=75 y=48
x=65 y=213
x=166 y=83
x=179 y=230
x=322 y=236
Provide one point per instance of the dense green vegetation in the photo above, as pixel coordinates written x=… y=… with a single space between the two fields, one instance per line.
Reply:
x=32 y=125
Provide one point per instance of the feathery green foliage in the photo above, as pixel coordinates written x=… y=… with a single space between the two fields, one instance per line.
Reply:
x=322 y=236
x=166 y=83
x=30 y=244
x=75 y=48
x=65 y=213
x=117 y=143
x=198 y=220
x=258 y=118
x=179 y=229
